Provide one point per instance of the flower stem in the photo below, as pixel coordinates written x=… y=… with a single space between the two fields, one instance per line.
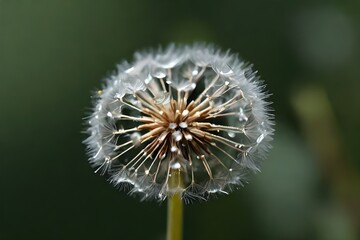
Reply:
x=175 y=217
x=175 y=207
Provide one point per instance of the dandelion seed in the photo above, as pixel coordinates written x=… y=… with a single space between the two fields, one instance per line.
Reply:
x=190 y=108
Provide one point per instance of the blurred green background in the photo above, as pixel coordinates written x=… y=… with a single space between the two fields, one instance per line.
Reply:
x=53 y=54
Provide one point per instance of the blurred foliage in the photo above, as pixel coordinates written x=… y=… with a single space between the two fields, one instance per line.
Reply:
x=54 y=53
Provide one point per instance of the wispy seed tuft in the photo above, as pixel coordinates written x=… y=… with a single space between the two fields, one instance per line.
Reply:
x=193 y=109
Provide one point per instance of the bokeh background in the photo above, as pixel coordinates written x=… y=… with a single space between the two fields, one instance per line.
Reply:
x=53 y=54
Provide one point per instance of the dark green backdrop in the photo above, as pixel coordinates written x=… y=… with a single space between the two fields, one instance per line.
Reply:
x=54 y=53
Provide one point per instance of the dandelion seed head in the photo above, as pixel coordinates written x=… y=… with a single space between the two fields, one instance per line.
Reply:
x=191 y=109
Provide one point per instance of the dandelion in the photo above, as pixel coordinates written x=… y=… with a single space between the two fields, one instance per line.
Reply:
x=186 y=120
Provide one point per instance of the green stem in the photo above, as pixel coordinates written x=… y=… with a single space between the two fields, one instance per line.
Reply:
x=175 y=217
x=175 y=206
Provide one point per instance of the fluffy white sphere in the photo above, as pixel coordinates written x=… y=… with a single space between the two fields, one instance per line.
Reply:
x=193 y=113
